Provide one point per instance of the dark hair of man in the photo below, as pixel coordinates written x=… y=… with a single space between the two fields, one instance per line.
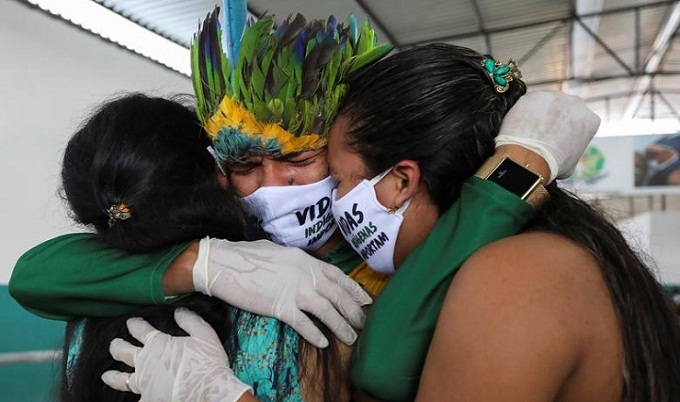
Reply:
x=150 y=153
x=436 y=105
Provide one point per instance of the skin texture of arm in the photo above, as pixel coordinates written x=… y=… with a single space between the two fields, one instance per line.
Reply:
x=527 y=318
x=177 y=279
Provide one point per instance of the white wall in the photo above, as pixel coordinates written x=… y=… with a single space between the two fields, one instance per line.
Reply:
x=658 y=235
x=51 y=74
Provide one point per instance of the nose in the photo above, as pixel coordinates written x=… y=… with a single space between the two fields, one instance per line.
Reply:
x=274 y=173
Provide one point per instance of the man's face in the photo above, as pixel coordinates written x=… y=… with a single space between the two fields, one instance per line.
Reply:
x=262 y=171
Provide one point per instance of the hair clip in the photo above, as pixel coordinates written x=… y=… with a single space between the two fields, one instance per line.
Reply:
x=119 y=212
x=501 y=74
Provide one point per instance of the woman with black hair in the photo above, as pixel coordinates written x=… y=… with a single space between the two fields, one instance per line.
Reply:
x=138 y=172
x=564 y=311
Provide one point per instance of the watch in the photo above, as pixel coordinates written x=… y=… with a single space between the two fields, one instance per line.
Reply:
x=515 y=178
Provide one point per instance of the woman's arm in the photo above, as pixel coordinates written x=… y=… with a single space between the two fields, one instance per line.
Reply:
x=77 y=275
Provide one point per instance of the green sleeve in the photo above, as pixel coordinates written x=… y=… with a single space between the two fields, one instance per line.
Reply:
x=389 y=356
x=77 y=275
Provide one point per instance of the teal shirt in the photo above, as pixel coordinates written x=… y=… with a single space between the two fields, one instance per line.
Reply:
x=267 y=356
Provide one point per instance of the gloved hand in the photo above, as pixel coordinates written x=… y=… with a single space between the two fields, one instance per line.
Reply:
x=281 y=282
x=553 y=124
x=169 y=368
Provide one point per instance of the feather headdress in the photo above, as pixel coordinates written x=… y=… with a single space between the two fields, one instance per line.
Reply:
x=274 y=92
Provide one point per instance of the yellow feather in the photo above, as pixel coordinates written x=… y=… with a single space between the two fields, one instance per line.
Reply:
x=230 y=114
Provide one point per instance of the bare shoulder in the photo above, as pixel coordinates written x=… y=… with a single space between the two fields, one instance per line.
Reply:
x=536 y=263
x=541 y=274
x=518 y=314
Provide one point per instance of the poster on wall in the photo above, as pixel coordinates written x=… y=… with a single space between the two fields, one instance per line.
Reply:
x=657 y=161
x=630 y=165
x=605 y=167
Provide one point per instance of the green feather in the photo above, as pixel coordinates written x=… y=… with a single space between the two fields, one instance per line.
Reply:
x=360 y=61
x=275 y=107
x=292 y=76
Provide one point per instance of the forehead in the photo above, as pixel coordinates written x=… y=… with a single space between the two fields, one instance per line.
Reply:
x=342 y=159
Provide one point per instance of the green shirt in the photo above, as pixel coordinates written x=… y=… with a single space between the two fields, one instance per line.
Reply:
x=389 y=356
x=76 y=275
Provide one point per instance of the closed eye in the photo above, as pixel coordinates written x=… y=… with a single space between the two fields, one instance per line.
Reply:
x=302 y=162
x=302 y=159
x=242 y=168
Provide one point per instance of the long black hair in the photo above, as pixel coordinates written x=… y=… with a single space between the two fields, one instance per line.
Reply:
x=437 y=105
x=432 y=104
x=148 y=153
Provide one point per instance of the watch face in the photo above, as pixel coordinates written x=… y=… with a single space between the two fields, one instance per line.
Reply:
x=514 y=178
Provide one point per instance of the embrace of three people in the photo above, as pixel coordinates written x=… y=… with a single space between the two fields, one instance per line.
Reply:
x=239 y=238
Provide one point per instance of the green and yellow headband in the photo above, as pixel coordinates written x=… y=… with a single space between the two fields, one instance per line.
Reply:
x=274 y=92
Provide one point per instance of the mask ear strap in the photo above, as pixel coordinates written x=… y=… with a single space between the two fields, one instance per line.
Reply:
x=404 y=206
x=401 y=209
x=212 y=153
x=379 y=177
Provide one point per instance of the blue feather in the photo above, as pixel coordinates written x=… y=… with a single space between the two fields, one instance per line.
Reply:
x=353 y=28
x=332 y=27
x=235 y=14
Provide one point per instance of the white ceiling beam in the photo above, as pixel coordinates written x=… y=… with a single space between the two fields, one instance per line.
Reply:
x=582 y=42
x=653 y=61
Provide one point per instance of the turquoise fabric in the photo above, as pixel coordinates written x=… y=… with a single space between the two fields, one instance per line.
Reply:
x=260 y=360
x=270 y=366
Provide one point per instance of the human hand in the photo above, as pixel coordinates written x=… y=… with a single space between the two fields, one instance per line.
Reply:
x=281 y=282
x=661 y=153
x=175 y=368
x=553 y=124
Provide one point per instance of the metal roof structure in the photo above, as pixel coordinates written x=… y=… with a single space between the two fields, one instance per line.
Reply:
x=622 y=56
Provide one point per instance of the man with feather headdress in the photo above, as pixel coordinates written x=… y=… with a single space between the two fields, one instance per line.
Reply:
x=267 y=100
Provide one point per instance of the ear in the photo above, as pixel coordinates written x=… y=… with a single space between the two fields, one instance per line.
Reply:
x=406 y=175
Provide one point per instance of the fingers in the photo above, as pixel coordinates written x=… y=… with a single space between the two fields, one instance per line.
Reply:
x=123 y=351
x=324 y=311
x=355 y=290
x=343 y=302
x=195 y=326
x=141 y=330
x=306 y=328
x=120 y=381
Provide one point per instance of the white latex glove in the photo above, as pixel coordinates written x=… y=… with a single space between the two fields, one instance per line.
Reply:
x=553 y=124
x=281 y=282
x=177 y=369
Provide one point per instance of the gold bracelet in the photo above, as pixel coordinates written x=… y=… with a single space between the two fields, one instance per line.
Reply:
x=536 y=195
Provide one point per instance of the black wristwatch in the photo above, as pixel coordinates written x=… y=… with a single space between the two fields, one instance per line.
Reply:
x=515 y=178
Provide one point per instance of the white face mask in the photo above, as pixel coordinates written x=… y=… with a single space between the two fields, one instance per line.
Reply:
x=369 y=227
x=294 y=216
